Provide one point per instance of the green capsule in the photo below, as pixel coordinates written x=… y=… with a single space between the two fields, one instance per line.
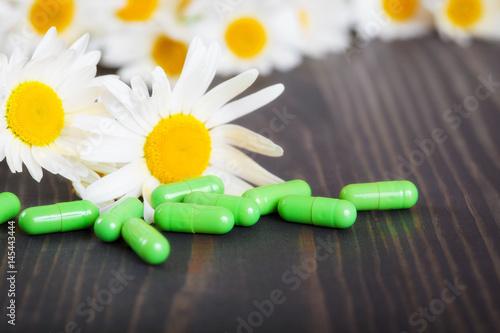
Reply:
x=175 y=192
x=146 y=241
x=183 y=217
x=10 y=206
x=109 y=225
x=267 y=197
x=324 y=212
x=246 y=212
x=60 y=217
x=381 y=195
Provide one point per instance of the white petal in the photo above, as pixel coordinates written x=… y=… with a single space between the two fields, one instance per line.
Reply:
x=3 y=142
x=120 y=103
x=147 y=110
x=105 y=206
x=232 y=184
x=161 y=91
x=55 y=163
x=13 y=154
x=113 y=150
x=242 y=137
x=78 y=80
x=212 y=101
x=187 y=81
x=118 y=183
x=150 y=184
x=245 y=105
x=48 y=45
x=149 y=213
x=139 y=88
x=104 y=126
x=32 y=165
x=81 y=44
x=235 y=162
x=201 y=80
x=84 y=99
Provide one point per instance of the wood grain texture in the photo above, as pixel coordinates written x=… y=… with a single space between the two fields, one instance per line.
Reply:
x=352 y=122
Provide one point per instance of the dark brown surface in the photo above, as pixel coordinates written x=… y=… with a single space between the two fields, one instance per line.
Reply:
x=354 y=121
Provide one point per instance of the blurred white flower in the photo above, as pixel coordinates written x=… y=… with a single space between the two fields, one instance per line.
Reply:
x=391 y=19
x=460 y=20
x=71 y=18
x=323 y=26
x=145 y=34
x=254 y=34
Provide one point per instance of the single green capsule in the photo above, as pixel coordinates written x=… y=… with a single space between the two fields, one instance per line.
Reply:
x=175 y=192
x=324 y=212
x=146 y=241
x=10 y=206
x=67 y=216
x=246 y=212
x=183 y=217
x=381 y=195
x=109 y=225
x=267 y=197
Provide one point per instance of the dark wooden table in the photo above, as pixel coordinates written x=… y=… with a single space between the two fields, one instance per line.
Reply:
x=382 y=115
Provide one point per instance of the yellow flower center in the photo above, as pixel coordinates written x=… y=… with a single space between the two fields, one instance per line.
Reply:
x=464 y=13
x=34 y=113
x=169 y=54
x=45 y=14
x=304 y=19
x=137 y=10
x=400 y=10
x=178 y=148
x=246 y=37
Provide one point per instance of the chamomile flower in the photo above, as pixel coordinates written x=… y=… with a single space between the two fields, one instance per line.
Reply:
x=71 y=18
x=254 y=35
x=460 y=20
x=145 y=34
x=391 y=19
x=38 y=99
x=179 y=134
x=323 y=26
x=138 y=51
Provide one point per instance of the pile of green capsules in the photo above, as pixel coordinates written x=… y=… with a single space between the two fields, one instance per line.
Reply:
x=200 y=206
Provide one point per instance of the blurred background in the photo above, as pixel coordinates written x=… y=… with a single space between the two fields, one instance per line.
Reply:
x=276 y=35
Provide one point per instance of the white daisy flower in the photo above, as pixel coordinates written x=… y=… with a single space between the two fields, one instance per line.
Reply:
x=254 y=34
x=38 y=99
x=138 y=51
x=145 y=34
x=323 y=26
x=71 y=18
x=460 y=20
x=179 y=134
x=391 y=19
